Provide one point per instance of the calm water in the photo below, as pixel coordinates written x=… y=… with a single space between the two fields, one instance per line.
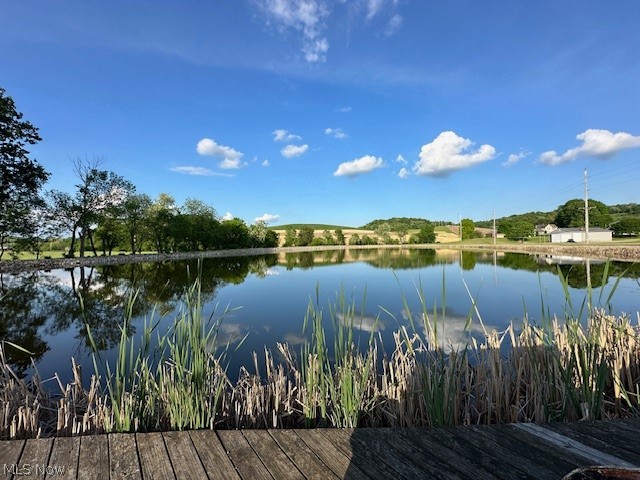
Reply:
x=268 y=297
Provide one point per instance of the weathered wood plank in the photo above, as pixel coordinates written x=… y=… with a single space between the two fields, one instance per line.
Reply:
x=35 y=457
x=466 y=457
x=619 y=433
x=64 y=457
x=561 y=461
x=154 y=459
x=242 y=455
x=521 y=466
x=411 y=455
x=123 y=457
x=591 y=438
x=300 y=454
x=536 y=453
x=363 y=459
x=183 y=456
x=213 y=455
x=10 y=451
x=272 y=456
x=592 y=455
x=93 y=462
x=338 y=461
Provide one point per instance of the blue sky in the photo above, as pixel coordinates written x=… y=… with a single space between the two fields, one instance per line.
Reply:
x=336 y=111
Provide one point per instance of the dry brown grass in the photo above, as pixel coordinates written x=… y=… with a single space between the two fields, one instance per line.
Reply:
x=565 y=371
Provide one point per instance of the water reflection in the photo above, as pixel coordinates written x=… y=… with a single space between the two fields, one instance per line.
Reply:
x=47 y=312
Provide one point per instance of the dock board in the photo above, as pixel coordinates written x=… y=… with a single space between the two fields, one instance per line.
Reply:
x=517 y=451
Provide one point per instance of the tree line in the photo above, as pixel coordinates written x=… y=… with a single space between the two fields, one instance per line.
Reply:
x=104 y=212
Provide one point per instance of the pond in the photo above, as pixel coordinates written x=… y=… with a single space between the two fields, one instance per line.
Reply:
x=266 y=298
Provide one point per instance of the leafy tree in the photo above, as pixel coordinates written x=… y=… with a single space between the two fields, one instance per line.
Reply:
x=234 y=234
x=627 y=225
x=328 y=238
x=261 y=236
x=571 y=214
x=355 y=239
x=517 y=229
x=161 y=213
x=290 y=237
x=383 y=230
x=98 y=192
x=305 y=236
x=135 y=217
x=426 y=234
x=340 y=240
x=468 y=228
x=21 y=178
x=402 y=230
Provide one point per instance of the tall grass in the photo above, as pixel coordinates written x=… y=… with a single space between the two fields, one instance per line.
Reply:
x=583 y=366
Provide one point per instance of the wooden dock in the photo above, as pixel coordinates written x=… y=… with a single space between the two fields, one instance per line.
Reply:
x=515 y=451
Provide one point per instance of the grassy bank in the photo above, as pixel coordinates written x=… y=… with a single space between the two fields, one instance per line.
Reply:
x=561 y=369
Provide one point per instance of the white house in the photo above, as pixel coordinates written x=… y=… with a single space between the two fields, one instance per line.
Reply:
x=545 y=229
x=562 y=235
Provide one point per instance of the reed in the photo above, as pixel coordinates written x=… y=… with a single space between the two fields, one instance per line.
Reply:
x=583 y=366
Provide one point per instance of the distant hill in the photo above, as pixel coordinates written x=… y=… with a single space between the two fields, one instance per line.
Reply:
x=537 y=218
x=315 y=226
x=410 y=223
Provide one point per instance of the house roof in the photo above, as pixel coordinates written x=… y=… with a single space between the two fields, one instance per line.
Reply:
x=574 y=230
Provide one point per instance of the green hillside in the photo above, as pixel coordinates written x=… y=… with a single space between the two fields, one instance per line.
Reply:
x=395 y=222
x=315 y=226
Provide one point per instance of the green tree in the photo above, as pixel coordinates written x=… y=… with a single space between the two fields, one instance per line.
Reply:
x=234 y=234
x=135 y=217
x=468 y=229
x=516 y=229
x=340 y=240
x=401 y=230
x=305 y=236
x=21 y=178
x=98 y=192
x=627 y=225
x=355 y=239
x=290 y=237
x=160 y=218
x=383 y=230
x=328 y=238
x=571 y=214
x=426 y=234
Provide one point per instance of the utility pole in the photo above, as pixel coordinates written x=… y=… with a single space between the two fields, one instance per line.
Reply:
x=494 y=226
x=586 y=207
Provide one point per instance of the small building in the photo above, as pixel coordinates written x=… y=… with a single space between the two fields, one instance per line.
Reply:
x=578 y=235
x=545 y=229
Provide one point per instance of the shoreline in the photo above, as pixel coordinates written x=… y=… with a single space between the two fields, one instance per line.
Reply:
x=624 y=253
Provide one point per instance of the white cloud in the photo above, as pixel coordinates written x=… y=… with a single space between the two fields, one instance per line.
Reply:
x=345 y=109
x=376 y=6
x=394 y=25
x=294 y=150
x=265 y=163
x=284 y=136
x=304 y=16
x=601 y=144
x=267 y=218
x=515 y=158
x=228 y=216
x=403 y=173
x=400 y=159
x=199 y=171
x=449 y=152
x=336 y=132
x=231 y=157
x=360 y=165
